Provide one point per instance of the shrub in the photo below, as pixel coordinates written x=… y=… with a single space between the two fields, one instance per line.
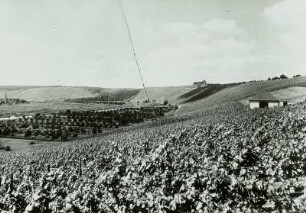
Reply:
x=283 y=77
x=275 y=78
x=7 y=148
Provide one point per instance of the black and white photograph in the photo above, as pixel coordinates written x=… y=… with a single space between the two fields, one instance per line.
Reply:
x=152 y=106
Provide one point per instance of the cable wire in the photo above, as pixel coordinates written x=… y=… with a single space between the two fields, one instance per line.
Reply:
x=133 y=47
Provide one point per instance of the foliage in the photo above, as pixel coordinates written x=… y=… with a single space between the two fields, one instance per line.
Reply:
x=7 y=148
x=66 y=125
x=224 y=160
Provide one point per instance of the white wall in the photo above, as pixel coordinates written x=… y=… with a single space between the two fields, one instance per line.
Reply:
x=254 y=105
x=273 y=104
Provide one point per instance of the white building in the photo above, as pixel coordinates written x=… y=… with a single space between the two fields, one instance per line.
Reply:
x=266 y=100
x=200 y=83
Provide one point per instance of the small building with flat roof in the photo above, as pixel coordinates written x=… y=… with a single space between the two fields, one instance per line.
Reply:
x=266 y=100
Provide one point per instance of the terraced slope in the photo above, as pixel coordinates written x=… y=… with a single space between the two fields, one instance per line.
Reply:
x=204 y=92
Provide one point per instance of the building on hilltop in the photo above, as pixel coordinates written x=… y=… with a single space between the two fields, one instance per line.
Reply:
x=266 y=100
x=200 y=83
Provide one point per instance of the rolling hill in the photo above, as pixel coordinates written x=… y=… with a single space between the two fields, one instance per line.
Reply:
x=60 y=93
x=203 y=92
x=187 y=97
x=160 y=94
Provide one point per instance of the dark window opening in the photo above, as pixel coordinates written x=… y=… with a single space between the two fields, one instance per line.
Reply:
x=263 y=104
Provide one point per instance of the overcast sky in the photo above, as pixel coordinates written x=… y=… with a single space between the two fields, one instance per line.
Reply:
x=85 y=43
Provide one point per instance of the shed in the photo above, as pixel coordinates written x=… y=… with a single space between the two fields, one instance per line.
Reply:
x=266 y=100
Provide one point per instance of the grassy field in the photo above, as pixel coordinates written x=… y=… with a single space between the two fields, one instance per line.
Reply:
x=291 y=94
x=56 y=93
x=160 y=94
x=20 y=144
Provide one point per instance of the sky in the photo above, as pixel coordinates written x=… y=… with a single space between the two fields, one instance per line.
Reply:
x=85 y=43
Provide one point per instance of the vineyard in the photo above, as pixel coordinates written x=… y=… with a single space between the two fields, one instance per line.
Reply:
x=229 y=159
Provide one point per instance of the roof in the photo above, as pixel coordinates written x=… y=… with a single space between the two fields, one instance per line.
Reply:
x=266 y=96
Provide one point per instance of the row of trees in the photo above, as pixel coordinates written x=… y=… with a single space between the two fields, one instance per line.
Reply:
x=68 y=124
x=106 y=99
x=282 y=76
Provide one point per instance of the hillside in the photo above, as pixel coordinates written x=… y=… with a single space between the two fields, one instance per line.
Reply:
x=292 y=94
x=242 y=92
x=188 y=97
x=203 y=92
x=57 y=93
x=160 y=94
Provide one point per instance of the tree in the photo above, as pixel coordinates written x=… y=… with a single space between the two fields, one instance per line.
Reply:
x=296 y=76
x=68 y=112
x=166 y=102
x=6 y=132
x=275 y=78
x=27 y=133
x=64 y=137
x=282 y=76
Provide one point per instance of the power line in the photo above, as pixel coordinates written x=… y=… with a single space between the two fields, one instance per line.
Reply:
x=133 y=47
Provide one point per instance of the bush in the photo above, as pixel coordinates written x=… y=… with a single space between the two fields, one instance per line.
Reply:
x=7 y=148
x=283 y=77
x=32 y=143
x=27 y=133
x=275 y=78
